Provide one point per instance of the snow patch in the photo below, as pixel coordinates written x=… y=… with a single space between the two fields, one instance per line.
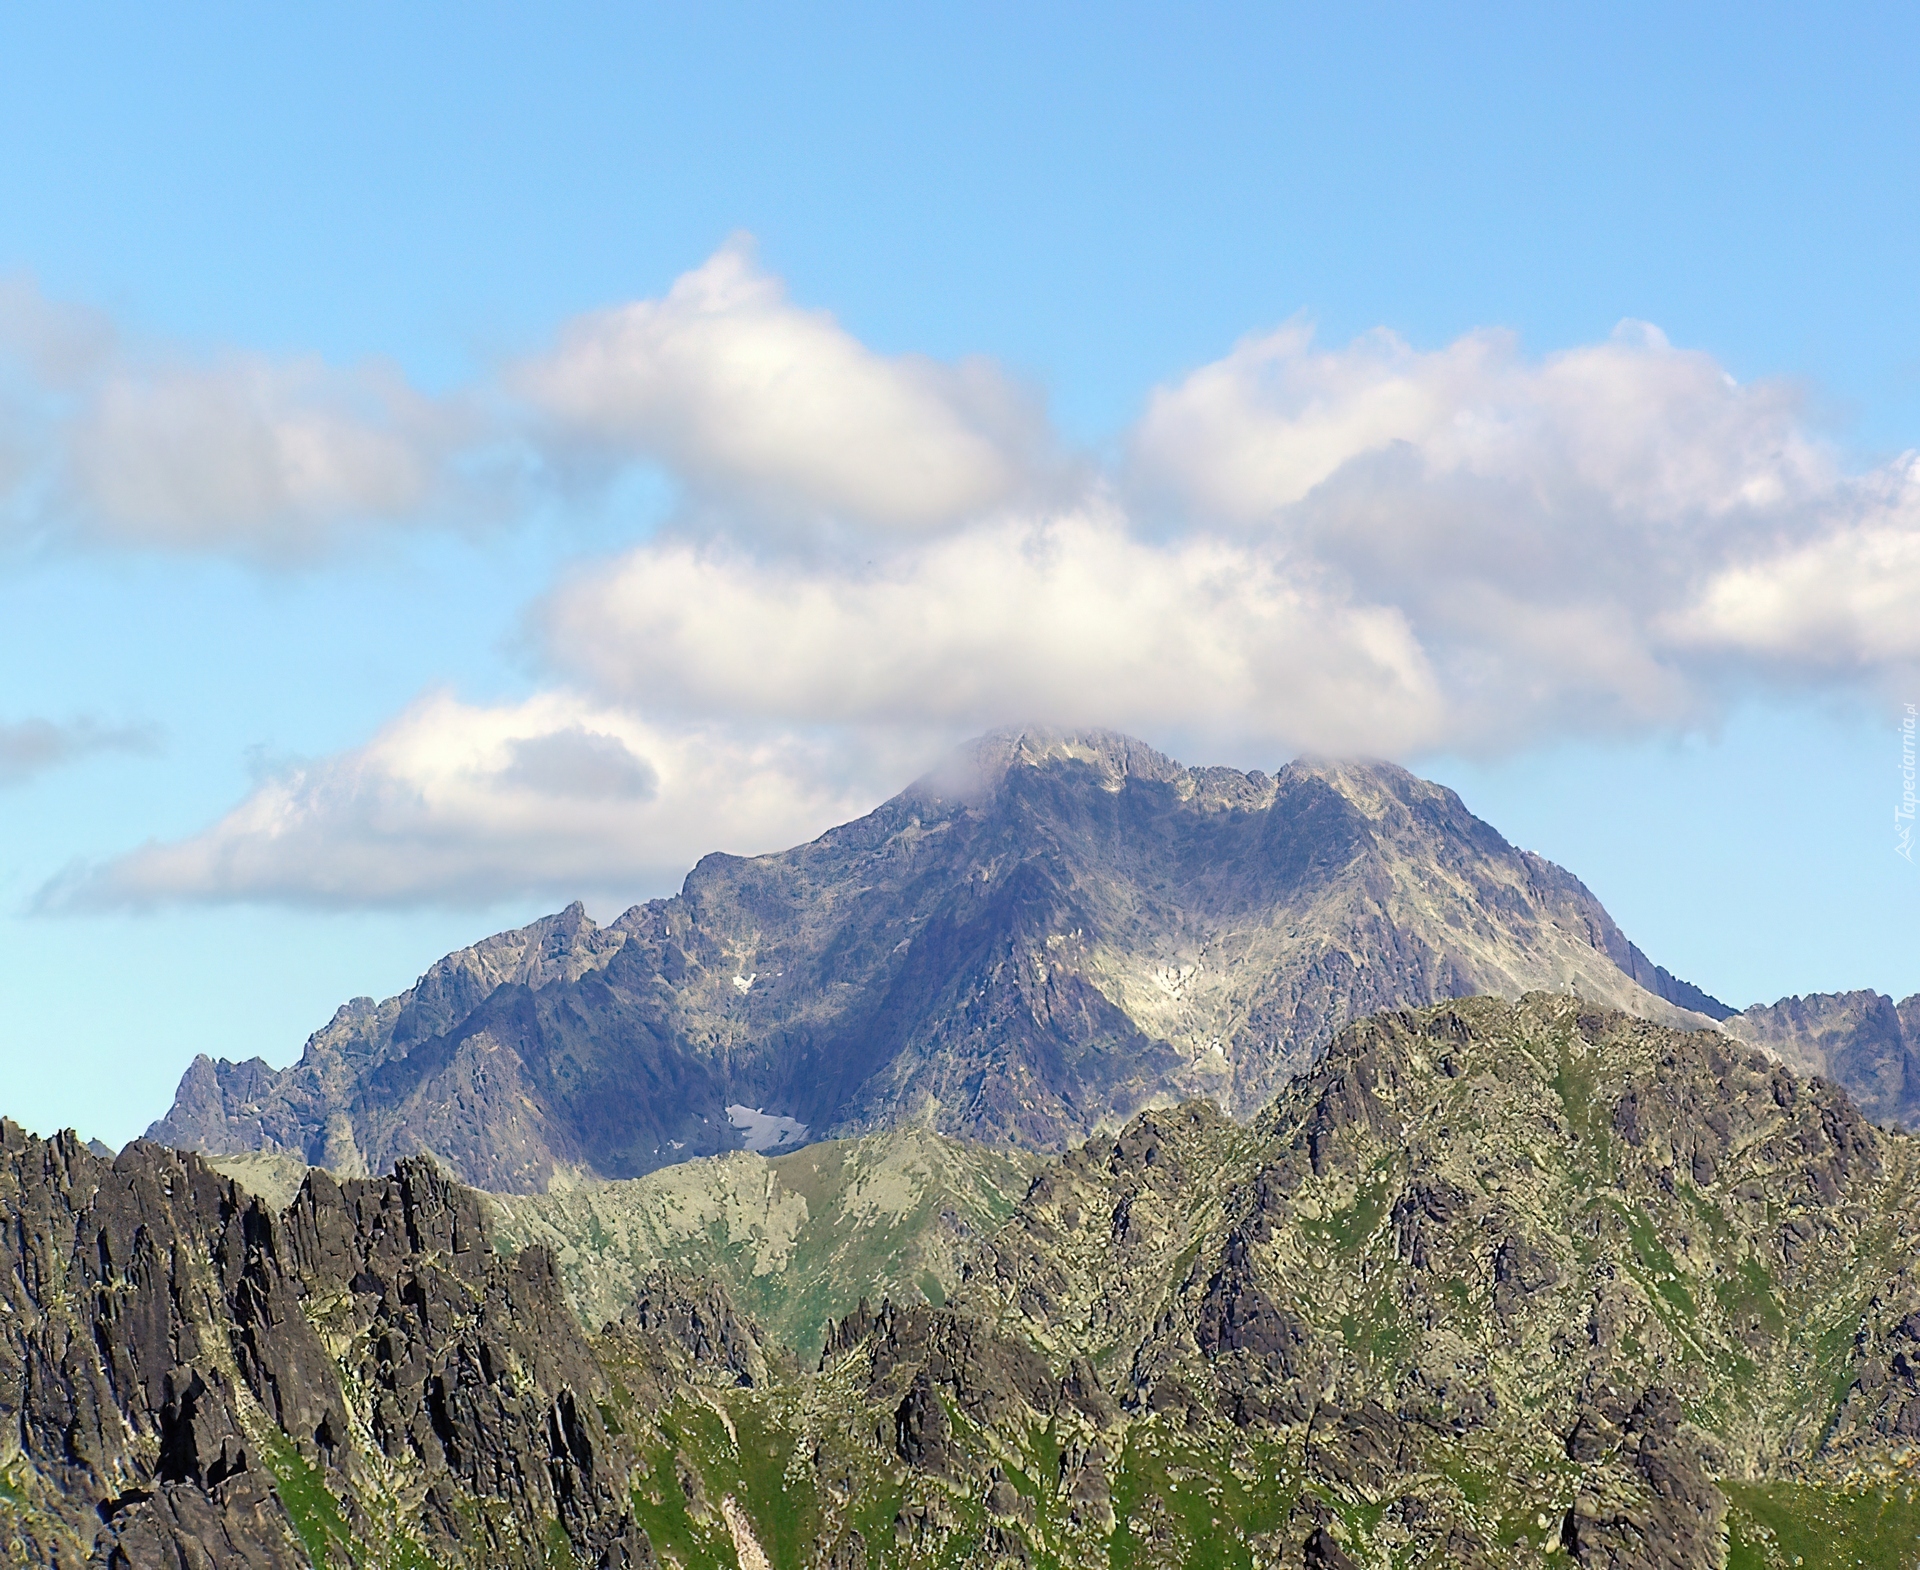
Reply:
x=744 y=984
x=764 y=1131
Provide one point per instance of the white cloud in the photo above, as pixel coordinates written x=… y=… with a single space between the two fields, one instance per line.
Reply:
x=1611 y=538
x=762 y=404
x=1841 y=601
x=459 y=803
x=1068 y=619
x=1659 y=433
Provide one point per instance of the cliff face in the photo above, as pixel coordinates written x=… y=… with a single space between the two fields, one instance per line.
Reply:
x=188 y=1379
x=1050 y=935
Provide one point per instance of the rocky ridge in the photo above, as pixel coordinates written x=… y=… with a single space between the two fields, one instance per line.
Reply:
x=1492 y=1284
x=189 y=1379
x=1031 y=945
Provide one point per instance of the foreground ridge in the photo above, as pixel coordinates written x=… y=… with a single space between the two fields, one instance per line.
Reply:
x=1492 y=1283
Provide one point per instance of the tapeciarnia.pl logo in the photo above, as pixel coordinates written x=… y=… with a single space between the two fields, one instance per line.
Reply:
x=1903 y=814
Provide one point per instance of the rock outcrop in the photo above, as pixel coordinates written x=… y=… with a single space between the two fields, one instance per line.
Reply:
x=1491 y=1278
x=1863 y=1040
x=187 y=1378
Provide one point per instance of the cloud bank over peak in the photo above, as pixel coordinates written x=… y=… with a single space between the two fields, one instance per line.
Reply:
x=1067 y=616
x=1368 y=548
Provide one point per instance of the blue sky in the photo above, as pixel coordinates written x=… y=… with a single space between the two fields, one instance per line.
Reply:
x=391 y=542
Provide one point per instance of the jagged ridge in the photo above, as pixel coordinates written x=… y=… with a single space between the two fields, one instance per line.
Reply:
x=1492 y=1282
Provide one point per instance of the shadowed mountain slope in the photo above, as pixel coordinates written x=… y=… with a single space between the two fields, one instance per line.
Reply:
x=1030 y=945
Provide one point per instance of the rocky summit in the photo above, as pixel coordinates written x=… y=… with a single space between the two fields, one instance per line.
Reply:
x=1029 y=946
x=1492 y=1284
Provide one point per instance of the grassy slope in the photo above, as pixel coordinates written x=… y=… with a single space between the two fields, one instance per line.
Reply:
x=798 y=1239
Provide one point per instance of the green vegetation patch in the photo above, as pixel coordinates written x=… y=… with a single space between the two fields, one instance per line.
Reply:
x=661 y=1507
x=1589 y=1119
x=1375 y=1331
x=1349 y=1229
x=310 y=1505
x=1511 y=1495
x=1747 y=1296
x=1169 y=1493
x=1801 y=1526
x=323 y=1530
x=1656 y=1269
x=751 y=1465
x=872 y=1517
x=781 y=1501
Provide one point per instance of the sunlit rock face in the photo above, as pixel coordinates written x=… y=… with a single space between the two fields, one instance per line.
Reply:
x=1031 y=944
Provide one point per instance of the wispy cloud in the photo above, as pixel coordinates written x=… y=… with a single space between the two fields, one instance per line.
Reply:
x=270 y=459
x=31 y=747
x=138 y=444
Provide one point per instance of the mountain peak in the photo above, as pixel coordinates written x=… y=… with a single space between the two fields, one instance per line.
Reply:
x=976 y=769
x=1049 y=933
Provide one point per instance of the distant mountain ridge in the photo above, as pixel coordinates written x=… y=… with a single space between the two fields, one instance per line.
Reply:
x=1862 y=1040
x=1033 y=943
